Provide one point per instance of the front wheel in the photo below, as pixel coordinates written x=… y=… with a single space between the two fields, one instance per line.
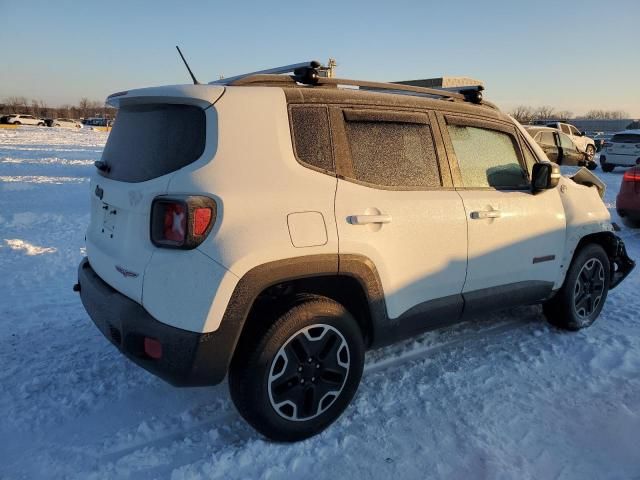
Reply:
x=580 y=300
x=295 y=379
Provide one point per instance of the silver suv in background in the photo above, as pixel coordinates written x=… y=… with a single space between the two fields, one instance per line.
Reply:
x=584 y=143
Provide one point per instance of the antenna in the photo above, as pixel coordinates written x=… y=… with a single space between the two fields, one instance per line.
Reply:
x=195 y=82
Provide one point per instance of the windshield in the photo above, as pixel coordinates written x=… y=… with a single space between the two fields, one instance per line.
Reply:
x=152 y=140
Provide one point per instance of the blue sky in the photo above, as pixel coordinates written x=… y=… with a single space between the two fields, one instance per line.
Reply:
x=574 y=55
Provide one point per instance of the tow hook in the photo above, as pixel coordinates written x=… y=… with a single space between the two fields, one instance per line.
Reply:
x=76 y=287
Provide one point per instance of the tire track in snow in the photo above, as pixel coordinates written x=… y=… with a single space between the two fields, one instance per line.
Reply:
x=460 y=334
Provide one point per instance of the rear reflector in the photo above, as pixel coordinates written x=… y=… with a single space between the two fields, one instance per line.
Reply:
x=152 y=348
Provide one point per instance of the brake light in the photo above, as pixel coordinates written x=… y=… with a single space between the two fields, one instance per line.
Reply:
x=181 y=221
x=631 y=176
x=201 y=220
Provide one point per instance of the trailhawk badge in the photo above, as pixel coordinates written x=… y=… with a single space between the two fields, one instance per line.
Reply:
x=126 y=273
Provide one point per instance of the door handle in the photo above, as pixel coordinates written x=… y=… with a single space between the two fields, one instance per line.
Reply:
x=366 y=219
x=485 y=214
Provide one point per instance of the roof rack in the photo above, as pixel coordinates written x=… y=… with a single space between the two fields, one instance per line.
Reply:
x=309 y=73
x=300 y=68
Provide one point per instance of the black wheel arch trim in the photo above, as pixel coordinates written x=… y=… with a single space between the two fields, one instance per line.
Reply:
x=621 y=263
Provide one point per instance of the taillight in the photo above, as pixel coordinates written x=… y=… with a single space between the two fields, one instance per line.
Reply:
x=631 y=175
x=181 y=221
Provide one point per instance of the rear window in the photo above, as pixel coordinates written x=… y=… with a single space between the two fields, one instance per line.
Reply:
x=151 y=140
x=626 y=138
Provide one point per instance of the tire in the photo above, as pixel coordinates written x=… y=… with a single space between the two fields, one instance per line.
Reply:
x=275 y=387
x=580 y=300
x=17 y=123
x=40 y=124
x=606 y=167
x=590 y=151
x=591 y=165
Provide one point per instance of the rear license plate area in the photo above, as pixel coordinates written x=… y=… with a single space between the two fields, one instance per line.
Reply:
x=110 y=215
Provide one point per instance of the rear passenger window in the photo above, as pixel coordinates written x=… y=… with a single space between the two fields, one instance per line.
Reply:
x=487 y=158
x=546 y=138
x=393 y=154
x=311 y=137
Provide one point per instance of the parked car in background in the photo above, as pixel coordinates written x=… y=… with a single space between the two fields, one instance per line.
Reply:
x=97 y=122
x=600 y=139
x=584 y=143
x=560 y=147
x=20 y=119
x=628 y=199
x=623 y=150
x=66 y=122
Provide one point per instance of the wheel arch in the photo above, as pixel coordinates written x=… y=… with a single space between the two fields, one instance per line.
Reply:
x=620 y=263
x=267 y=290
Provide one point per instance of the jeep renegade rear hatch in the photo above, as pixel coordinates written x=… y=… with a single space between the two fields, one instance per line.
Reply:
x=151 y=140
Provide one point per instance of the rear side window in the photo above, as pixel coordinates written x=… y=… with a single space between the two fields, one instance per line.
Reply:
x=487 y=158
x=151 y=140
x=626 y=138
x=566 y=143
x=546 y=138
x=311 y=136
x=393 y=154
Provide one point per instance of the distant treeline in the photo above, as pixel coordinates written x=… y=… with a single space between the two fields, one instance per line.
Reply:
x=526 y=114
x=84 y=109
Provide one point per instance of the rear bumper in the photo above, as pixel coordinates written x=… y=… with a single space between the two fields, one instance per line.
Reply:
x=618 y=159
x=188 y=358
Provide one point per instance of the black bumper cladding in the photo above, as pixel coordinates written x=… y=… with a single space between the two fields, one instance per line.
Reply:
x=188 y=358
x=622 y=264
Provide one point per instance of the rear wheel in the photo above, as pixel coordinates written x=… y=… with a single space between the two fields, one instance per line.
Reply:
x=580 y=300
x=297 y=377
x=606 y=167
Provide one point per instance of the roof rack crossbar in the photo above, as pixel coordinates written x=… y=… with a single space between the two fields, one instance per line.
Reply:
x=392 y=87
x=312 y=64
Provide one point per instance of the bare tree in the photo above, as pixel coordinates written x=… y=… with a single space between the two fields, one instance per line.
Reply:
x=544 y=112
x=564 y=114
x=83 y=107
x=522 y=114
x=606 y=115
x=16 y=104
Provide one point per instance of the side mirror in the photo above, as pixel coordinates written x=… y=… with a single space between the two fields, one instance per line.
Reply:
x=544 y=176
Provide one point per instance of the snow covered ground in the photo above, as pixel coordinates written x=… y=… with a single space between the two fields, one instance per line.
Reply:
x=505 y=396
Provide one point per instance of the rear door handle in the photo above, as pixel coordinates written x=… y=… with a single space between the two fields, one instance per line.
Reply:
x=485 y=214
x=366 y=219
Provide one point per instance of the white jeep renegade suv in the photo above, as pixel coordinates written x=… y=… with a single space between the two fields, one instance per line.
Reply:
x=275 y=227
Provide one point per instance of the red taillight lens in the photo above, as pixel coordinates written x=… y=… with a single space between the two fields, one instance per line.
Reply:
x=632 y=175
x=182 y=221
x=201 y=220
